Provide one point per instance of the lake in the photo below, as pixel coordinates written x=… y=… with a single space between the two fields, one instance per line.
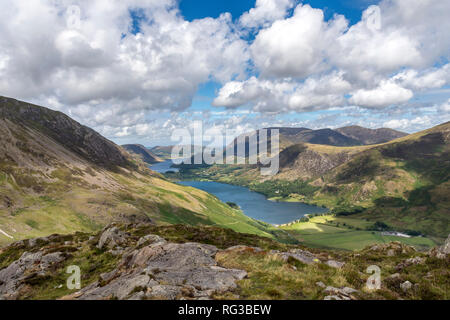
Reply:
x=163 y=167
x=256 y=205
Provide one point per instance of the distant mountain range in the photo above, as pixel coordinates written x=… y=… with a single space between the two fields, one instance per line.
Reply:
x=289 y=137
x=404 y=182
x=165 y=152
x=342 y=137
x=370 y=136
x=145 y=154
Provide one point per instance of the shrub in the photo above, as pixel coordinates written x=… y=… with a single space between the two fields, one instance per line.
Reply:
x=233 y=205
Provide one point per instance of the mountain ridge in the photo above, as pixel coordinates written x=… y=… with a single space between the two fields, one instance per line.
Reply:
x=145 y=154
x=49 y=184
x=371 y=136
x=83 y=141
x=403 y=183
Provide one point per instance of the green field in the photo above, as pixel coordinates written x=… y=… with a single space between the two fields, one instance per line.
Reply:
x=345 y=233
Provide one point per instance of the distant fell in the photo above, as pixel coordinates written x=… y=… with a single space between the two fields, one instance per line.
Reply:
x=146 y=155
x=371 y=136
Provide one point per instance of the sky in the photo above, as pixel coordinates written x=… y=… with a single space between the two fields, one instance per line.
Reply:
x=137 y=70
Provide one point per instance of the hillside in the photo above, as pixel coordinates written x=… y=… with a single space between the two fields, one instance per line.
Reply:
x=57 y=176
x=21 y=121
x=343 y=137
x=403 y=183
x=163 y=152
x=325 y=137
x=144 y=262
x=371 y=136
x=142 y=152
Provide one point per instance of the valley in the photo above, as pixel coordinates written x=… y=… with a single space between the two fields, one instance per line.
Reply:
x=50 y=184
x=402 y=184
x=86 y=201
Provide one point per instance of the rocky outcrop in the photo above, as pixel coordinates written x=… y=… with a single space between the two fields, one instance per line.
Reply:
x=297 y=254
x=410 y=262
x=392 y=249
x=335 y=264
x=406 y=286
x=162 y=270
x=441 y=252
x=111 y=238
x=344 y=293
x=30 y=266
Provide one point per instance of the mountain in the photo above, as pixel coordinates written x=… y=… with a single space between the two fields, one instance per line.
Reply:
x=165 y=152
x=371 y=136
x=306 y=161
x=343 y=137
x=403 y=183
x=145 y=154
x=322 y=136
x=58 y=176
x=52 y=135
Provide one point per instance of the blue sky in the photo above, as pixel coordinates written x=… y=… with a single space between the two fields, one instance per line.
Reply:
x=199 y=9
x=351 y=9
x=136 y=70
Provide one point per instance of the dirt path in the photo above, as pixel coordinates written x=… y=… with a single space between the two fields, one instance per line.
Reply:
x=4 y=233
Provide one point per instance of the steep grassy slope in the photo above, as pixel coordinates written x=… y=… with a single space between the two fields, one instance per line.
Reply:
x=405 y=183
x=19 y=118
x=59 y=176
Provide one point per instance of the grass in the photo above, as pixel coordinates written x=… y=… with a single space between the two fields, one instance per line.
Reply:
x=269 y=277
x=65 y=207
x=92 y=263
x=346 y=233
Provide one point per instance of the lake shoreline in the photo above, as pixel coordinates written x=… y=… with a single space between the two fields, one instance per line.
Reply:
x=282 y=205
x=256 y=205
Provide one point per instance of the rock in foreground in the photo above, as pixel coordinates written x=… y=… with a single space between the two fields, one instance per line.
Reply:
x=144 y=261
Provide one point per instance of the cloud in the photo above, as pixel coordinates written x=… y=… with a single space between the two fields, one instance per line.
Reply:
x=265 y=12
x=295 y=47
x=445 y=107
x=97 y=61
x=403 y=124
x=134 y=84
x=426 y=79
x=386 y=94
x=285 y=95
x=384 y=59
